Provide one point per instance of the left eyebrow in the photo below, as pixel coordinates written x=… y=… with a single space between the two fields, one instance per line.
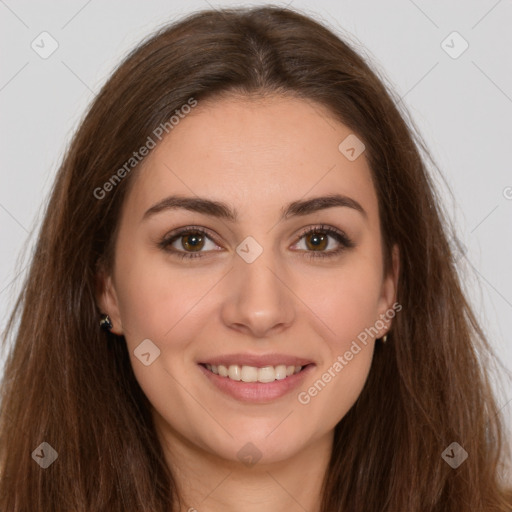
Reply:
x=222 y=210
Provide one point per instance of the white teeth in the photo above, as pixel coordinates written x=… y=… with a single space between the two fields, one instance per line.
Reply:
x=281 y=372
x=249 y=373
x=253 y=373
x=234 y=372
x=266 y=374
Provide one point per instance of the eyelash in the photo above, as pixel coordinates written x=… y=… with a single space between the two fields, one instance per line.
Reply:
x=338 y=235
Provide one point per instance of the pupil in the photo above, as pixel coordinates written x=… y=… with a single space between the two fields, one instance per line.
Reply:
x=193 y=240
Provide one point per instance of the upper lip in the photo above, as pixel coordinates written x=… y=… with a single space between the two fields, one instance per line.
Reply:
x=257 y=360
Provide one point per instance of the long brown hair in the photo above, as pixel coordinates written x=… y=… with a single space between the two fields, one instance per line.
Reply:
x=71 y=385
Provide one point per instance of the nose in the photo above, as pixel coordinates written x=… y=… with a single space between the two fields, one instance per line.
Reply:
x=259 y=298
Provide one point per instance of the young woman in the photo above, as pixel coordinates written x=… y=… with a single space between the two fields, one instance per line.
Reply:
x=243 y=296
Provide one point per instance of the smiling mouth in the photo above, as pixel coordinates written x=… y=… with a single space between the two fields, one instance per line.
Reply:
x=246 y=373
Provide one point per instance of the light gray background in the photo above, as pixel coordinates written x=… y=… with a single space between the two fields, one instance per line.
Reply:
x=462 y=106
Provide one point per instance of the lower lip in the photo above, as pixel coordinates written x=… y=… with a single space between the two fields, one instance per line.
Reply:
x=257 y=392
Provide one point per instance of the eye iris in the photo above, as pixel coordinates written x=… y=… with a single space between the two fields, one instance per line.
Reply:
x=319 y=240
x=193 y=240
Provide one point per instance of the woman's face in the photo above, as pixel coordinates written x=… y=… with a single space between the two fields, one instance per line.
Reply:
x=256 y=291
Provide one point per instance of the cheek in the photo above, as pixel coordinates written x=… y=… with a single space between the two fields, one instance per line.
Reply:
x=163 y=303
x=346 y=302
x=346 y=299
x=350 y=311
x=327 y=398
x=151 y=296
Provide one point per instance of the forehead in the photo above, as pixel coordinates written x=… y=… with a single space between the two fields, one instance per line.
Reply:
x=254 y=153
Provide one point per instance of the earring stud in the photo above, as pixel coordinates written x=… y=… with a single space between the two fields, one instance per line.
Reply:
x=106 y=323
x=384 y=338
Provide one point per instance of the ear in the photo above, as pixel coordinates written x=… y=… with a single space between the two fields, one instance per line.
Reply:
x=106 y=298
x=389 y=290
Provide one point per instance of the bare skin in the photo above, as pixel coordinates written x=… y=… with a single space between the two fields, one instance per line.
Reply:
x=257 y=156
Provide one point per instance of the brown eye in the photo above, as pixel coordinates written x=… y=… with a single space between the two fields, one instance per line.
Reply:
x=192 y=241
x=188 y=243
x=317 y=240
